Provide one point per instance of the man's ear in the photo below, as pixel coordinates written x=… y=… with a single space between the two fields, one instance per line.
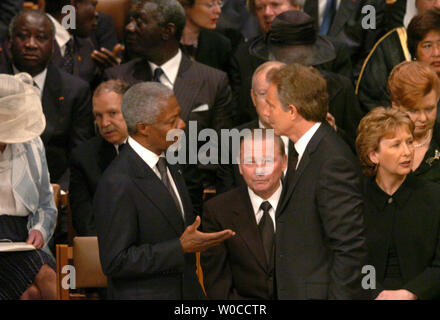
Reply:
x=169 y=31
x=292 y=112
x=143 y=128
x=253 y=97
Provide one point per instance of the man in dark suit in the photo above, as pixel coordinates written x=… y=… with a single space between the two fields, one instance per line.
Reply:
x=66 y=99
x=243 y=267
x=202 y=92
x=147 y=231
x=320 y=243
x=91 y=158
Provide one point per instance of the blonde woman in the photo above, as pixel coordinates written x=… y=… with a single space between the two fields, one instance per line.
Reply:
x=401 y=211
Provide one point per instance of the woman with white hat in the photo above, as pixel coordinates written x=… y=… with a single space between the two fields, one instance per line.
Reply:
x=27 y=209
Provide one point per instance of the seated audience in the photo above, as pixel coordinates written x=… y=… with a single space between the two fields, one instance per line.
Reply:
x=199 y=39
x=415 y=89
x=147 y=229
x=27 y=208
x=402 y=215
x=398 y=45
x=91 y=158
x=242 y=267
x=66 y=99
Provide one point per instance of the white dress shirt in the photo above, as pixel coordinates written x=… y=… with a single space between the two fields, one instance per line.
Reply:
x=170 y=70
x=321 y=8
x=410 y=12
x=151 y=160
x=256 y=202
x=302 y=142
x=62 y=36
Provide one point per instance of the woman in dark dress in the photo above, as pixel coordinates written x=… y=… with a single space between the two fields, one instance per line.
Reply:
x=415 y=89
x=199 y=39
x=401 y=211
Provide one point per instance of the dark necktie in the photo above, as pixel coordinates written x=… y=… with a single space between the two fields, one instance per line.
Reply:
x=120 y=147
x=68 y=57
x=267 y=232
x=162 y=167
x=157 y=73
x=328 y=16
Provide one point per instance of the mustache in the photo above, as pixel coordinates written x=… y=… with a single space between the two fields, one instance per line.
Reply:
x=108 y=129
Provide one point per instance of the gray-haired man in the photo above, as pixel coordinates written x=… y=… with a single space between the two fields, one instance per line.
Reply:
x=146 y=229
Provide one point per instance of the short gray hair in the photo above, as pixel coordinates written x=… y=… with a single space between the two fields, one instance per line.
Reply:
x=143 y=103
x=170 y=11
x=266 y=67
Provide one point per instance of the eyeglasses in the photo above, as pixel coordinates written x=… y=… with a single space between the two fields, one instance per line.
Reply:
x=212 y=4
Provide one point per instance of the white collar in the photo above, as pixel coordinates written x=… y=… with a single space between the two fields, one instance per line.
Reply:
x=62 y=36
x=301 y=144
x=117 y=145
x=170 y=69
x=256 y=200
x=147 y=155
x=39 y=79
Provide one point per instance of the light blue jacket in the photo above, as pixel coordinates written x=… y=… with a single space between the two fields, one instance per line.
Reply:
x=31 y=186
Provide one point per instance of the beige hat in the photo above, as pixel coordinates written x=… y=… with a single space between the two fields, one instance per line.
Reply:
x=21 y=113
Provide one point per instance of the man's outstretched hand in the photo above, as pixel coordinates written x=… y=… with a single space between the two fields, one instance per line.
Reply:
x=193 y=240
x=106 y=59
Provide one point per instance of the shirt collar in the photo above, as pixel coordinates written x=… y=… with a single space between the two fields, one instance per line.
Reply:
x=148 y=156
x=117 y=145
x=257 y=200
x=62 y=36
x=301 y=144
x=170 y=68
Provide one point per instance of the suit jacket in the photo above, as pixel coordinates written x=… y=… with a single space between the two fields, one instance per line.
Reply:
x=196 y=85
x=320 y=243
x=83 y=65
x=237 y=268
x=89 y=160
x=138 y=229
x=67 y=107
x=105 y=33
x=347 y=26
x=411 y=221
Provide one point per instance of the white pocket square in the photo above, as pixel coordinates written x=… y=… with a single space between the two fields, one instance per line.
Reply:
x=203 y=107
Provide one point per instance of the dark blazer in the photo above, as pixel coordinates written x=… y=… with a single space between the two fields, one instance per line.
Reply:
x=237 y=268
x=415 y=233
x=83 y=65
x=67 y=107
x=196 y=84
x=105 y=33
x=138 y=228
x=87 y=163
x=320 y=243
x=347 y=26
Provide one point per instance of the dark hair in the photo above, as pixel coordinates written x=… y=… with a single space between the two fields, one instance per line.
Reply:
x=419 y=27
x=33 y=12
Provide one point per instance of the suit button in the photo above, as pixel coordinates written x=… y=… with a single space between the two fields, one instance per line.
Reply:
x=390 y=200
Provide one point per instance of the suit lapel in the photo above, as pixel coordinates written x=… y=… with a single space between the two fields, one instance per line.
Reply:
x=153 y=188
x=245 y=225
x=52 y=101
x=304 y=162
x=187 y=87
x=106 y=154
x=176 y=173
